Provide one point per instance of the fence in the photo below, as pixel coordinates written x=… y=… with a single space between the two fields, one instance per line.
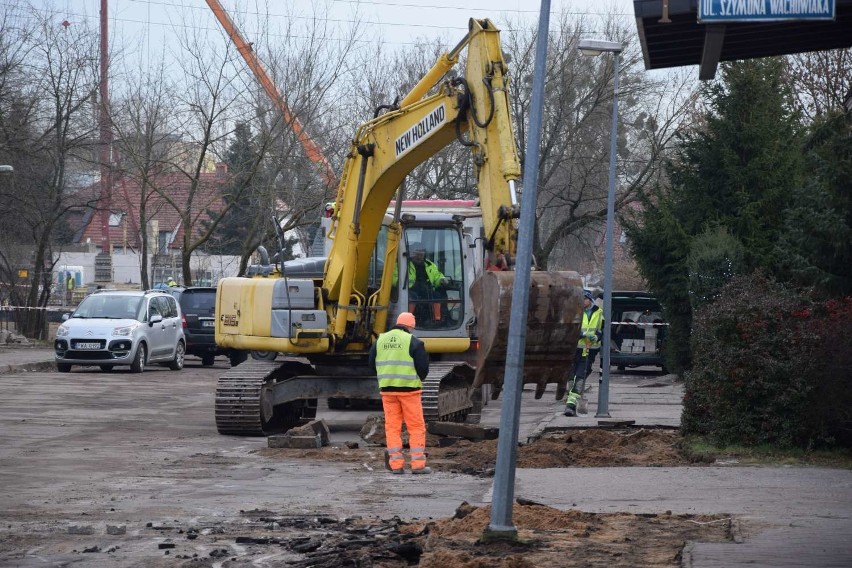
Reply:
x=12 y=319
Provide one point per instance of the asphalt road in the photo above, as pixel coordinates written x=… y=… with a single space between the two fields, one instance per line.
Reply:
x=85 y=450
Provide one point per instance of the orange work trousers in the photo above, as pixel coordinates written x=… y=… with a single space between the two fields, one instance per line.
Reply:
x=405 y=407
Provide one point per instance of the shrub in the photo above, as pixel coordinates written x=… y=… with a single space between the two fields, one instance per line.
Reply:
x=770 y=367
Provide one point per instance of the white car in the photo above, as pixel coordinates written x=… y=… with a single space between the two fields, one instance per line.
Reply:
x=112 y=328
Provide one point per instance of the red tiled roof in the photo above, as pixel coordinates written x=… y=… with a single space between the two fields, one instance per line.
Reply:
x=173 y=191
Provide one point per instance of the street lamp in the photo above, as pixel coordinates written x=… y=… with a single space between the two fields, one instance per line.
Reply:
x=593 y=48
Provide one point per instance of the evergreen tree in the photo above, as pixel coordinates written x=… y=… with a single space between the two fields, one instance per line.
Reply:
x=238 y=223
x=737 y=173
x=816 y=249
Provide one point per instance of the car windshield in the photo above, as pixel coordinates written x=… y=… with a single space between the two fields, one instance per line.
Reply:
x=111 y=307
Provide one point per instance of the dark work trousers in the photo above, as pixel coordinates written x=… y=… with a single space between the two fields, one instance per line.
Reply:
x=583 y=368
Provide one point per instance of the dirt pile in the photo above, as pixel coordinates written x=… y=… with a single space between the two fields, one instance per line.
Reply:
x=581 y=448
x=550 y=537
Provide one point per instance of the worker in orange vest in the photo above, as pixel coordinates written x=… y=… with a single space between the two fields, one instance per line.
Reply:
x=401 y=363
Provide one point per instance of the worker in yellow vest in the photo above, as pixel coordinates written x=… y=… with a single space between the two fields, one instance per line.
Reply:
x=401 y=363
x=591 y=336
x=70 y=284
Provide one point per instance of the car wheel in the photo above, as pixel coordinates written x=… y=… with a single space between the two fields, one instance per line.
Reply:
x=621 y=368
x=176 y=364
x=63 y=367
x=237 y=357
x=138 y=364
x=208 y=360
x=106 y=368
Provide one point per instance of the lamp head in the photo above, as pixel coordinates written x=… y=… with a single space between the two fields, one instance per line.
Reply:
x=594 y=47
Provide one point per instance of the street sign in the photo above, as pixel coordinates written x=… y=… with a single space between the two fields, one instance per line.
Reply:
x=728 y=11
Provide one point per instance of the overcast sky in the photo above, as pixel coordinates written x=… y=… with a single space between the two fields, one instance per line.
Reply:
x=149 y=23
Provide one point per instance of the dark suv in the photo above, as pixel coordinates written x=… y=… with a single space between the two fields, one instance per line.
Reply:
x=198 y=310
x=638 y=330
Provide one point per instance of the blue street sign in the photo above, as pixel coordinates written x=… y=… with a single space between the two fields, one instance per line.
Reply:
x=724 y=11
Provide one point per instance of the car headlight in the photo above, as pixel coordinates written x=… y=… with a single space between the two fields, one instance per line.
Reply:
x=125 y=330
x=62 y=331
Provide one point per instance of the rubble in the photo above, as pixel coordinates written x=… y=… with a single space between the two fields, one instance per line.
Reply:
x=11 y=338
x=547 y=538
x=314 y=434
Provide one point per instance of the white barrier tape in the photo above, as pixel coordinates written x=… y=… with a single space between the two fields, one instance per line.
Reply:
x=49 y=309
x=638 y=323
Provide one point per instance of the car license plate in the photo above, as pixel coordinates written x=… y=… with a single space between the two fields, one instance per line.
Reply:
x=207 y=323
x=90 y=345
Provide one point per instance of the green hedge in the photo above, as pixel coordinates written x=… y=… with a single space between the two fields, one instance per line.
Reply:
x=771 y=366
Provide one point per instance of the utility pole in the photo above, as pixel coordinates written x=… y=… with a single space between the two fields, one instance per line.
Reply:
x=103 y=262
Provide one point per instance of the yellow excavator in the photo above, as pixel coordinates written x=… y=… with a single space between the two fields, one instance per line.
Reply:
x=315 y=319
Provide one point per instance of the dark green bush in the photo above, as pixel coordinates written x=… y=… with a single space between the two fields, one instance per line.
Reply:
x=771 y=366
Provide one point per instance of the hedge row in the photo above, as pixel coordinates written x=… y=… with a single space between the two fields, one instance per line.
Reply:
x=771 y=366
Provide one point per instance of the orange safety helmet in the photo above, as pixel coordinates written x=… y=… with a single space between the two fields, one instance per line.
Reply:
x=406 y=319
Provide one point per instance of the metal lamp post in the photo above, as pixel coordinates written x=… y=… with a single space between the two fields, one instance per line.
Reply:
x=593 y=48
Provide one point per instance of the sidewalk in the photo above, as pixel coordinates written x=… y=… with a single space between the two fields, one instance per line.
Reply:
x=640 y=401
x=26 y=358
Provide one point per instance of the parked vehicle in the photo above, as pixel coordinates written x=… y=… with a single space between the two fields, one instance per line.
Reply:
x=638 y=330
x=113 y=328
x=198 y=317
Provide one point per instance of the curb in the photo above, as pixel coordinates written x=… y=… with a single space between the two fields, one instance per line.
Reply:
x=541 y=428
x=28 y=367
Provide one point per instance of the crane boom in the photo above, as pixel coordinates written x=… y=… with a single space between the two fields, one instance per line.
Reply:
x=312 y=149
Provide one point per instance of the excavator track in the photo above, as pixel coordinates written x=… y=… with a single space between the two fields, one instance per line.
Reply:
x=243 y=403
x=447 y=392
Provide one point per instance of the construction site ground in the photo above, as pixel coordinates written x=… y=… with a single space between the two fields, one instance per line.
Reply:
x=117 y=469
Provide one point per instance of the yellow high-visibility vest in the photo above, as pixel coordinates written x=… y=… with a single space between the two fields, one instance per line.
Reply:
x=394 y=365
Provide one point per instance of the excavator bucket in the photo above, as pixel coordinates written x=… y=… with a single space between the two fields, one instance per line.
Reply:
x=553 y=327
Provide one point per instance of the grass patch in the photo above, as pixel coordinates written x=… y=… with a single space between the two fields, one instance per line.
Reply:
x=697 y=449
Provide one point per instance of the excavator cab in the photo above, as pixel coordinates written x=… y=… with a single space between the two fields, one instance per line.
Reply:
x=434 y=287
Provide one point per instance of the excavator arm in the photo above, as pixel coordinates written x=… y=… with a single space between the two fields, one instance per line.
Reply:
x=474 y=110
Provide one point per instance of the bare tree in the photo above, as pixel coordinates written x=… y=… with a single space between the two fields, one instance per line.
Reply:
x=573 y=163
x=295 y=180
x=48 y=131
x=821 y=80
x=142 y=138
x=214 y=95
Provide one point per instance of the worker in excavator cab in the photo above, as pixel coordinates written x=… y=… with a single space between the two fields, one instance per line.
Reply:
x=425 y=284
